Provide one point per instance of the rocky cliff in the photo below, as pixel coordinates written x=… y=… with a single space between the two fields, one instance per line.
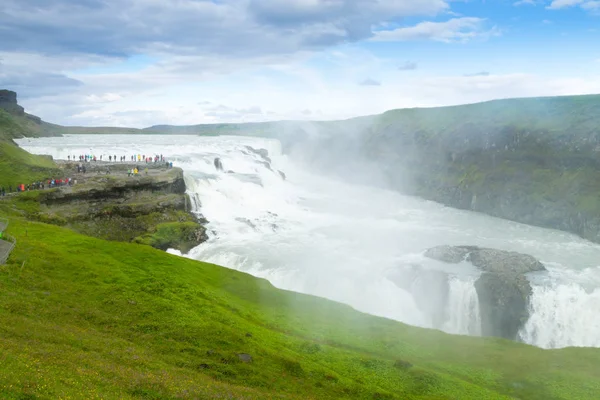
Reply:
x=151 y=208
x=8 y=102
x=534 y=161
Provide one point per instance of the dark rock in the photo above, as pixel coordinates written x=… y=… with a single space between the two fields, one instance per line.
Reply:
x=8 y=96
x=210 y=352
x=264 y=153
x=247 y=358
x=503 y=301
x=8 y=102
x=247 y=222
x=265 y=164
x=203 y=366
x=505 y=262
x=449 y=254
x=401 y=364
x=282 y=175
x=248 y=334
x=218 y=164
x=503 y=289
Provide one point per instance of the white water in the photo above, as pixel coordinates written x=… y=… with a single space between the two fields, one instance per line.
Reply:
x=357 y=244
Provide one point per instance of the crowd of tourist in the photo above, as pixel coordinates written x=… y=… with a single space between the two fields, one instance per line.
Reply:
x=81 y=168
x=38 y=185
x=113 y=158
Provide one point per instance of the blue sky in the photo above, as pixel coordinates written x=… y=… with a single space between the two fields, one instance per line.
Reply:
x=144 y=62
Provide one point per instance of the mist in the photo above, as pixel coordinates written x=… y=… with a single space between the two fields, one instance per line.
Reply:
x=335 y=227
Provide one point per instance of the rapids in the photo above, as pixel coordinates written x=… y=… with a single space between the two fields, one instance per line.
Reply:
x=355 y=243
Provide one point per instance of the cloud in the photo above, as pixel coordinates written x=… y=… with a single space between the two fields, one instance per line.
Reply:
x=453 y=30
x=118 y=28
x=525 y=3
x=482 y=73
x=370 y=82
x=593 y=6
x=80 y=50
x=588 y=5
x=408 y=66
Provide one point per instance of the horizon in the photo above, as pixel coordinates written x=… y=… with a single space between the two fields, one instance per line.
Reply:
x=116 y=63
x=331 y=120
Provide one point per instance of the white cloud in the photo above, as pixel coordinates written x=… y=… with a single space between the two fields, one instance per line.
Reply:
x=525 y=3
x=592 y=6
x=453 y=30
x=588 y=5
x=370 y=82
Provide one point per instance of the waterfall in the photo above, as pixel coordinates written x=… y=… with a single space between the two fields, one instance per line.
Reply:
x=563 y=315
x=462 y=310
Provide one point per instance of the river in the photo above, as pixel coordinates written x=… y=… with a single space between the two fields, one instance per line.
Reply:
x=356 y=243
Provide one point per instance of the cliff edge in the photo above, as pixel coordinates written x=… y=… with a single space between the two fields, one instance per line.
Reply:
x=109 y=203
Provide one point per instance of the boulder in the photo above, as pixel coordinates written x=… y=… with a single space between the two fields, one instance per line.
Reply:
x=449 y=254
x=503 y=289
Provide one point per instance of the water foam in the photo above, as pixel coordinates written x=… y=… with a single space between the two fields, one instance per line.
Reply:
x=318 y=235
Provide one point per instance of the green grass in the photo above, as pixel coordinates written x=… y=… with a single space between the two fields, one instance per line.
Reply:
x=85 y=318
x=16 y=165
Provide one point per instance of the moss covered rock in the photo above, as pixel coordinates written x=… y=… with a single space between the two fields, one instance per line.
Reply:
x=182 y=236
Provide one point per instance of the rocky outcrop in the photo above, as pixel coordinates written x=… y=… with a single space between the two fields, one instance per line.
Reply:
x=151 y=208
x=503 y=289
x=8 y=102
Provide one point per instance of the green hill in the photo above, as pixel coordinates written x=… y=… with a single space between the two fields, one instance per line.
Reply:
x=86 y=318
x=16 y=165
x=82 y=317
x=534 y=160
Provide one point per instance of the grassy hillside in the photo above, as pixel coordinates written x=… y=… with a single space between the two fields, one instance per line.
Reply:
x=565 y=116
x=85 y=318
x=16 y=165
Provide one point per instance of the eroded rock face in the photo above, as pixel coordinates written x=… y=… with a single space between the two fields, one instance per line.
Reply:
x=151 y=208
x=8 y=102
x=503 y=289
